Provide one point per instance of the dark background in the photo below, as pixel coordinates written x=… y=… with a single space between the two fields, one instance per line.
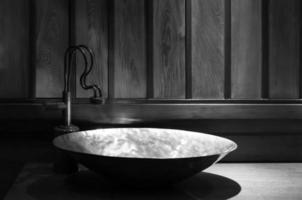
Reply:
x=227 y=67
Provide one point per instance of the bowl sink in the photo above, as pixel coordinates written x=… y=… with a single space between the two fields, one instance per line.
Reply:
x=144 y=156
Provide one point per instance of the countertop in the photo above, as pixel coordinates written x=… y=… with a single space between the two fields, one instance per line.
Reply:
x=221 y=181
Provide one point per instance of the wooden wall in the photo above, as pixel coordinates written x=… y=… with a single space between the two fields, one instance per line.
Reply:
x=160 y=49
x=14 y=49
x=236 y=63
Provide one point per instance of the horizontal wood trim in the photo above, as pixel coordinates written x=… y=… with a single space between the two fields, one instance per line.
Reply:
x=134 y=113
x=283 y=147
x=152 y=101
x=131 y=113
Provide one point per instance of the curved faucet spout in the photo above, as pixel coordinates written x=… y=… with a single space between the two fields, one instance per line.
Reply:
x=69 y=56
x=88 y=57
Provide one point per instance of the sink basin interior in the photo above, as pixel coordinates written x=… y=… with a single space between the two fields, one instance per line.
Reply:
x=144 y=143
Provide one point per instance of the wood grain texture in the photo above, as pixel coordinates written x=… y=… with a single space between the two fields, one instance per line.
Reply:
x=91 y=29
x=246 y=55
x=208 y=49
x=135 y=112
x=14 y=48
x=284 y=34
x=129 y=49
x=51 y=41
x=129 y=113
x=169 y=48
x=188 y=57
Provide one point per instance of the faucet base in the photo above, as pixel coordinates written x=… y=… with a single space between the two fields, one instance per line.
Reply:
x=63 y=163
x=63 y=129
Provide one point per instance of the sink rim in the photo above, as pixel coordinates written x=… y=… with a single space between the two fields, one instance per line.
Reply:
x=231 y=144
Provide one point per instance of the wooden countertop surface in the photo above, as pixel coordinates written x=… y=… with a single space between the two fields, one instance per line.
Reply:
x=221 y=181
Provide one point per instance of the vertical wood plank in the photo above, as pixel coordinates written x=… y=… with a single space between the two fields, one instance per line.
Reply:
x=246 y=49
x=208 y=49
x=227 y=49
x=188 y=79
x=51 y=41
x=169 y=48
x=149 y=6
x=14 y=48
x=129 y=49
x=91 y=29
x=111 y=20
x=284 y=42
x=265 y=50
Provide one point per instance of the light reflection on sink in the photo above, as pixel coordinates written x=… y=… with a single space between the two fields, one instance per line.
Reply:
x=144 y=156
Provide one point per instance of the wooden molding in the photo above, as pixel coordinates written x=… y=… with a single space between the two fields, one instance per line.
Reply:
x=125 y=111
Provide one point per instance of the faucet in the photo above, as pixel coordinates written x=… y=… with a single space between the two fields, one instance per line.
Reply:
x=64 y=163
x=69 y=56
